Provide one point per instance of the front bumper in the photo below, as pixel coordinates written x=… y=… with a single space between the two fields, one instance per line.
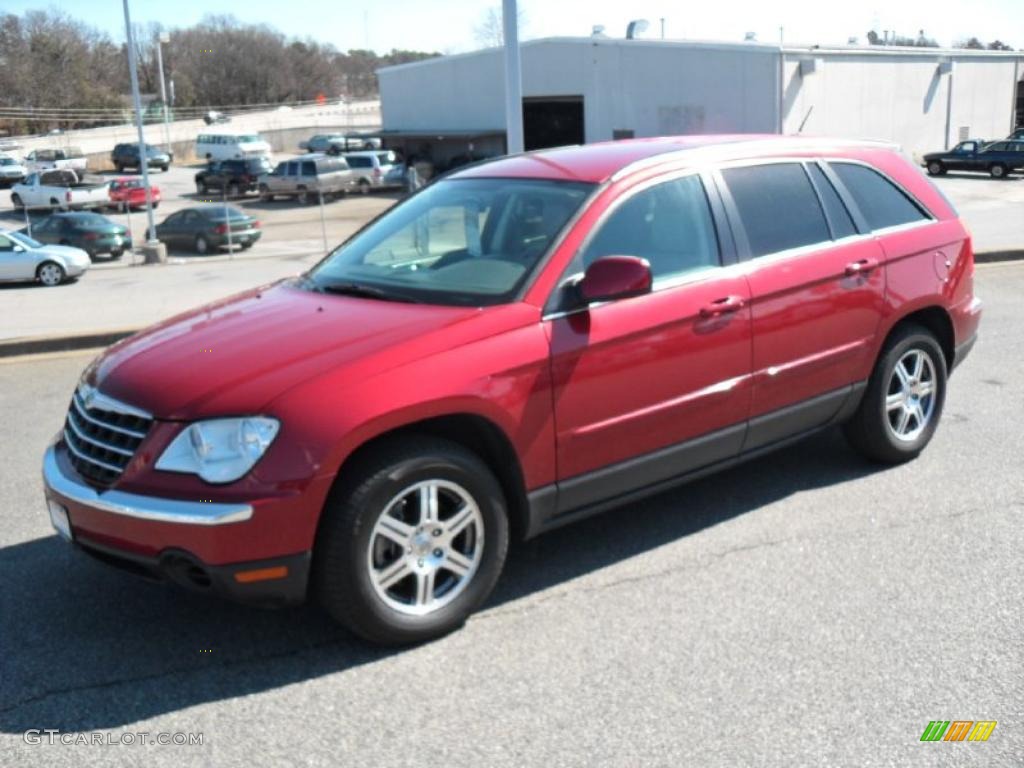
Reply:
x=96 y=518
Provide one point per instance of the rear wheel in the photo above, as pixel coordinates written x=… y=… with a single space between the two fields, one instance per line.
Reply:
x=165 y=168
x=302 y=196
x=50 y=273
x=935 y=168
x=16 y=201
x=202 y=245
x=201 y=188
x=233 y=190
x=265 y=194
x=997 y=171
x=904 y=398
x=364 y=186
x=412 y=543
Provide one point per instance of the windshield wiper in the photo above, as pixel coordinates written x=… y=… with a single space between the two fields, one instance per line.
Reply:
x=365 y=291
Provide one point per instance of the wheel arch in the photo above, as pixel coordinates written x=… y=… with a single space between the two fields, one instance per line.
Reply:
x=937 y=320
x=472 y=431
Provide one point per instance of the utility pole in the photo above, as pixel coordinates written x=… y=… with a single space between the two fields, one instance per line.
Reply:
x=662 y=27
x=164 y=38
x=154 y=251
x=513 y=78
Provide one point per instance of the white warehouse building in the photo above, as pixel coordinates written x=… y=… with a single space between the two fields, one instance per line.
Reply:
x=577 y=90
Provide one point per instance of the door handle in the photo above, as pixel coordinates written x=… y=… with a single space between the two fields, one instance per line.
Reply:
x=722 y=306
x=860 y=267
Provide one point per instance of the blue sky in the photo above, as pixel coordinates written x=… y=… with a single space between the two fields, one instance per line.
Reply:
x=447 y=25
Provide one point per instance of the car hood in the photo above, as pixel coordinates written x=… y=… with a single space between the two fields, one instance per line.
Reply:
x=66 y=252
x=235 y=356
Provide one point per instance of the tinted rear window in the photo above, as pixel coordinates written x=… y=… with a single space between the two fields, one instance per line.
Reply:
x=778 y=207
x=359 y=162
x=838 y=216
x=308 y=168
x=882 y=202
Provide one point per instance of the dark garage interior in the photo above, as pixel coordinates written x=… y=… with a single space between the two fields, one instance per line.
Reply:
x=552 y=121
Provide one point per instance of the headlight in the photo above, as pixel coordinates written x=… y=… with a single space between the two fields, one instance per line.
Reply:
x=220 y=450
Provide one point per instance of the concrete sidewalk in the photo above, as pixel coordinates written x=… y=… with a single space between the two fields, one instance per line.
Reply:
x=35 y=319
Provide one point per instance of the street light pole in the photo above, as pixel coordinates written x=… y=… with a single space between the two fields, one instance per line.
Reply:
x=144 y=162
x=164 y=38
x=513 y=78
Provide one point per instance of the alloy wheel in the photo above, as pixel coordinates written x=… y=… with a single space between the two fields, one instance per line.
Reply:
x=426 y=546
x=910 y=397
x=51 y=274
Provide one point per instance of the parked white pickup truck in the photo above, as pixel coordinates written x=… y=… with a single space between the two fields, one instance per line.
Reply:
x=70 y=158
x=62 y=190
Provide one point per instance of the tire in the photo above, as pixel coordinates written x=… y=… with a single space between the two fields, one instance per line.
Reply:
x=50 y=274
x=265 y=195
x=364 y=187
x=349 y=542
x=246 y=246
x=233 y=190
x=302 y=196
x=997 y=171
x=119 y=168
x=117 y=253
x=16 y=201
x=202 y=245
x=54 y=202
x=874 y=430
x=201 y=188
x=165 y=168
x=935 y=168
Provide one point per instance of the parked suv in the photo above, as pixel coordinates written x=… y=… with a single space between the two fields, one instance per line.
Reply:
x=127 y=156
x=376 y=169
x=517 y=346
x=235 y=176
x=306 y=177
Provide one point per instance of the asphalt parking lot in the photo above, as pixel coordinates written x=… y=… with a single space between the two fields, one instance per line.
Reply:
x=289 y=229
x=807 y=609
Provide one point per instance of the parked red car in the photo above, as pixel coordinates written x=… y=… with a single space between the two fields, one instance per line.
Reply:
x=517 y=346
x=130 y=192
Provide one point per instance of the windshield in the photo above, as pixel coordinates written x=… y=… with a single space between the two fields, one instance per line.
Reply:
x=24 y=239
x=461 y=241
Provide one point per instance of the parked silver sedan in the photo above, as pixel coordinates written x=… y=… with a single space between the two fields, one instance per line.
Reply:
x=22 y=258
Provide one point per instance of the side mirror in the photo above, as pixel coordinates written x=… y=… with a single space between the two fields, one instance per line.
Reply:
x=615 y=277
x=18 y=249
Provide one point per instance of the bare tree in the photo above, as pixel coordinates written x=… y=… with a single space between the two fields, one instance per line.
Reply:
x=490 y=33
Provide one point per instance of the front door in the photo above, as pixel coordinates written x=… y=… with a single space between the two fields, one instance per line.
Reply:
x=650 y=387
x=15 y=262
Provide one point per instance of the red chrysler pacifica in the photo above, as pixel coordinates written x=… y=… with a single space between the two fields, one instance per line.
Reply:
x=518 y=345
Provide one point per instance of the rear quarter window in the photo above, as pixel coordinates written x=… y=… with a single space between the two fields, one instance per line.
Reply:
x=882 y=203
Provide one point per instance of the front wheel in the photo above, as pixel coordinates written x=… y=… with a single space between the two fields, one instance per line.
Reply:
x=265 y=194
x=935 y=168
x=233 y=190
x=16 y=201
x=302 y=196
x=904 y=398
x=412 y=543
x=50 y=273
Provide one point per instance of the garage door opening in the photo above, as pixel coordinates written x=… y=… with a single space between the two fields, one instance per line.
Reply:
x=552 y=121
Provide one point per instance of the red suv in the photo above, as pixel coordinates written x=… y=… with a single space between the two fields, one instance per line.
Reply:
x=518 y=345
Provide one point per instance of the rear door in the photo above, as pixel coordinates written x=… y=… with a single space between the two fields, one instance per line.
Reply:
x=817 y=288
x=650 y=387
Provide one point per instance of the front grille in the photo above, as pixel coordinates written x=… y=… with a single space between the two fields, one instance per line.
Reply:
x=102 y=435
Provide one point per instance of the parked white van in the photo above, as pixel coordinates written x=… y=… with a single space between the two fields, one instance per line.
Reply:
x=230 y=146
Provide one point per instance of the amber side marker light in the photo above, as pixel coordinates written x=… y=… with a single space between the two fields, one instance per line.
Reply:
x=262 y=574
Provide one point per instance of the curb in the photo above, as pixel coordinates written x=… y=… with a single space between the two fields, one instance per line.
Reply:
x=70 y=342
x=993 y=257
x=33 y=345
